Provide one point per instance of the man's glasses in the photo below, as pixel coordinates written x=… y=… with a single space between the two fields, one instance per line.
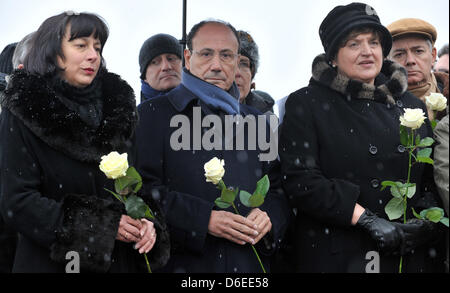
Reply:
x=206 y=55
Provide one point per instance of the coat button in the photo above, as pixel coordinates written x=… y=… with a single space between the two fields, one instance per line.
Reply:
x=375 y=183
x=373 y=149
x=399 y=103
x=401 y=148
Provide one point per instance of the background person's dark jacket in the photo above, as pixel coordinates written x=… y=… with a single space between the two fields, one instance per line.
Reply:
x=335 y=150
x=52 y=188
x=178 y=180
x=2 y=81
x=263 y=104
x=8 y=238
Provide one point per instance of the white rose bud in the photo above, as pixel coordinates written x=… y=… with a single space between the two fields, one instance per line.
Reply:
x=436 y=102
x=114 y=165
x=214 y=170
x=413 y=118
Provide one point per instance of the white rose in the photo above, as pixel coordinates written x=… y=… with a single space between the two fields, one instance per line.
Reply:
x=436 y=102
x=114 y=165
x=413 y=118
x=214 y=170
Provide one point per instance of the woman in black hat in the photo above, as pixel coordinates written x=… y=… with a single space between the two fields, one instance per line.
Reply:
x=61 y=114
x=339 y=141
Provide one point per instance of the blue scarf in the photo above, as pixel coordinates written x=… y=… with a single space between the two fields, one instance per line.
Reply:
x=148 y=93
x=214 y=97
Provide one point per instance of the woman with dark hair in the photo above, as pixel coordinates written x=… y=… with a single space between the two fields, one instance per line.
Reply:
x=61 y=114
x=339 y=140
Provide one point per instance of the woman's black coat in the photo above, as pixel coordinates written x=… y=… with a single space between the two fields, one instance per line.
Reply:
x=52 y=190
x=339 y=141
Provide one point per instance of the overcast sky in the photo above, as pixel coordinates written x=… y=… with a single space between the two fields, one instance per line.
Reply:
x=286 y=31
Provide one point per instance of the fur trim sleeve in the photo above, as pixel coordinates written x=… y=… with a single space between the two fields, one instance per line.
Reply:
x=89 y=228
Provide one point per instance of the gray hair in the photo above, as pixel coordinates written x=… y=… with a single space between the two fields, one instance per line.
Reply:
x=430 y=45
x=443 y=51
x=22 y=50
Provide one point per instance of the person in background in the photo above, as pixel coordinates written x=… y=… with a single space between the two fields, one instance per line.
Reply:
x=21 y=51
x=413 y=48
x=442 y=63
x=8 y=238
x=205 y=238
x=6 y=66
x=248 y=66
x=441 y=168
x=61 y=113
x=339 y=141
x=160 y=65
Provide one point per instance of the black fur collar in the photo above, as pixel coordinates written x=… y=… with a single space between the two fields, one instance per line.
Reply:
x=32 y=99
x=389 y=85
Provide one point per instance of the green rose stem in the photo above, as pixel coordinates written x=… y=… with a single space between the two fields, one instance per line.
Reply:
x=253 y=247
x=411 y=149
x=222 y=186
x=148 y=265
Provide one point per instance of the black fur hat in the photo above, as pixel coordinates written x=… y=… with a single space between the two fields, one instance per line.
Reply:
x=249 y=49
x=343 y=19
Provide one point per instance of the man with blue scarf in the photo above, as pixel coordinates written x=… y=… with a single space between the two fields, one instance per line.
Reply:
x=204 y=238
x=160 y=65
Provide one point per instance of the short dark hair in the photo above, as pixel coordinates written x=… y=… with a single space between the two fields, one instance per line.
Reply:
x=196 y=27
x=443 y=51
x=46 y=42
x=355 y=32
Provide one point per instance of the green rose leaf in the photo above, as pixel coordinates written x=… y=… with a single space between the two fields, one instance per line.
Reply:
x=425 y=160
x=256 y=200
x=136 y=207
x=244 y=197
x=426 y=142
x=444 y=221
x=418 y=139
x=416 y=214
x=424 y=153
x=409 y=189
x=433 y=214
x=221 y=204
x=262 y=186
x=433 y=126
x=228 y=195
x=132 y=173
x=398 y=189
x=149 y=214
x=394 y=208
x=131 y=181
x=118 y=196
x=386 y=184
x=404 y=139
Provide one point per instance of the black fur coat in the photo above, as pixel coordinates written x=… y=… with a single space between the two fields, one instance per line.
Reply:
x=53 y=192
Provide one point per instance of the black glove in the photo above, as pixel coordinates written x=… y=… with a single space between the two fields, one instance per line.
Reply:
x=387 y=236
x=416 y=233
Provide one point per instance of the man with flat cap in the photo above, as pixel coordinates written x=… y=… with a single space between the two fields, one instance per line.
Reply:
x=160 y=65
x=413 y=47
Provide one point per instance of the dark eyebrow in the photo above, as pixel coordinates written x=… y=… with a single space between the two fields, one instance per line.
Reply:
x=418 y=47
